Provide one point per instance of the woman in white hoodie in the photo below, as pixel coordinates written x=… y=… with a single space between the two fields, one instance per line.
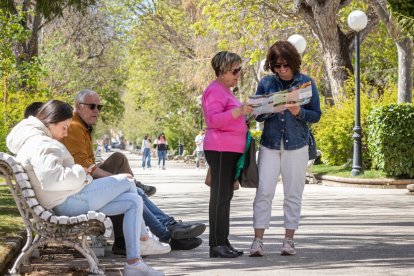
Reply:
x=66 y=187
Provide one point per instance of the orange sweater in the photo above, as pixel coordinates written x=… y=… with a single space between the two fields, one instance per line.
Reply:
x=79 y=142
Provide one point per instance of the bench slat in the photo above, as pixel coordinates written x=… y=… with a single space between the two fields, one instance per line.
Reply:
x=38 y=210
x=32 y=202
x=24 y=184
x=46 y=215
x=17 y=169
x=21 y=176
x=82 y=218
x=63 y=219
x=73 y=220
x=92 y=215
x=28 y=193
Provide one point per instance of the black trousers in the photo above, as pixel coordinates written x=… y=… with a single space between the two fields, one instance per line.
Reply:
x=223 y=171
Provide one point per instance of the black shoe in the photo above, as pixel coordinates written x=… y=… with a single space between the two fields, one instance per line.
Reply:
x=148 y=190
x=240 y=252
x=185 y=244
x=118 y=251
x=180 y=230
x=222 y=251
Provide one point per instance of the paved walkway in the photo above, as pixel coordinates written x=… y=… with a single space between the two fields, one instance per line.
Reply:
x=344 y=231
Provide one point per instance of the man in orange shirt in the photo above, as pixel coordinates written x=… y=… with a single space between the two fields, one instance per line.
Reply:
x=79 y=143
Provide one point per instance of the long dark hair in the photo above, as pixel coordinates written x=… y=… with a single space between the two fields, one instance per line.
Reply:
x=54 y=111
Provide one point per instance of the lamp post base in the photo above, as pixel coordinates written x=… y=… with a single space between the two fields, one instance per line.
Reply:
x=356 y=172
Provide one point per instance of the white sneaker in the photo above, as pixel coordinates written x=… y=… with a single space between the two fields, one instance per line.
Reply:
x=152 y=246
x=140 y=269
x=288 y=247
x=257 y=250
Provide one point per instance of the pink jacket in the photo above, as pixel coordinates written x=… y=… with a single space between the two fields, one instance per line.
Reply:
x=223 y=133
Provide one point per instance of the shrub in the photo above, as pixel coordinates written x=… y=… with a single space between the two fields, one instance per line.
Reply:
x=391 y=135
x=333 y=133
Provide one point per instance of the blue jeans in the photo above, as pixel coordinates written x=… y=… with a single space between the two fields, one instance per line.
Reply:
x=155 y=219
x=146 y=156
x=112 y=195
x=162 y=154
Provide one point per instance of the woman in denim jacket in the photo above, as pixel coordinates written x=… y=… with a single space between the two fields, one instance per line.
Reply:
x=283 y=146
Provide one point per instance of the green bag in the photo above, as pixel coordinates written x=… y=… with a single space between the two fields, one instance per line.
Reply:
x=247 y=171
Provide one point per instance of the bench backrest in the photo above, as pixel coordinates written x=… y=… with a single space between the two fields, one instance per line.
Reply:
x=37 y=217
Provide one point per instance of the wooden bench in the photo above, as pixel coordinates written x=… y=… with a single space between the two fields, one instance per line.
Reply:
x=43 y=226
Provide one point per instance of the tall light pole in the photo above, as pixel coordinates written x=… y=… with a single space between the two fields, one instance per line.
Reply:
x=357 y=21
x=199 y=103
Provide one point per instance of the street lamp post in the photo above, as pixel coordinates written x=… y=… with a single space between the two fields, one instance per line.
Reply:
x=199 y=102
x=357 y=21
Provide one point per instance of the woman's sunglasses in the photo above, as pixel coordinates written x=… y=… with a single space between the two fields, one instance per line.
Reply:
x=278 y=66
x=236 y=71
x=93 y=106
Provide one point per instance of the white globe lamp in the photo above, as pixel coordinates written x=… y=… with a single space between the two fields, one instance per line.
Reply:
x=262 y=64
x=357 y=20
x=299 y=42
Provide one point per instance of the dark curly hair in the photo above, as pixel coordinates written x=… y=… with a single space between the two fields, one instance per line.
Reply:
x=283 y=50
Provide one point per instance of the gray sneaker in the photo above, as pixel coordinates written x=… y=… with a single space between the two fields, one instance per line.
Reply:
x=288 y=248
x=257 y=250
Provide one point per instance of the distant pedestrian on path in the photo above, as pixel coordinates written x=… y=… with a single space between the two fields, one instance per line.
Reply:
x=199 y=141
x=224 y=143
x=283 y=146
x=146 y=152
x=161 y=145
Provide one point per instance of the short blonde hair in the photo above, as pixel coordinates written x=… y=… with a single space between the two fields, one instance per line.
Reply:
x=224 y=61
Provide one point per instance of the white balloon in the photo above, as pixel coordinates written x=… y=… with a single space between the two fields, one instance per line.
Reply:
x=262 y=64
x=299 y=42
x=357 y=20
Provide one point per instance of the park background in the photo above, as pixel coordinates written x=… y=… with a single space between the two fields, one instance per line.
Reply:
x=150 y=61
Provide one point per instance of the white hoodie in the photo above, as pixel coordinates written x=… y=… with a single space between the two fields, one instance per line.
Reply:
x=49 y=165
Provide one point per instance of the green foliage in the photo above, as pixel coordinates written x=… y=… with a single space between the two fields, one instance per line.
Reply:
x=403 y=11
x=391 y=133
x=11 y=222
x=333 y=133
x=256 y=134
x=48 y=8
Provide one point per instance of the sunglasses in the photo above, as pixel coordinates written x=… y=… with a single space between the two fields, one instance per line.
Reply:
x=278 y=66
x=236 y=71
x=93 y=106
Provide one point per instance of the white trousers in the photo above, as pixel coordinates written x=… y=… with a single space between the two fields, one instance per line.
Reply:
x=291 y=164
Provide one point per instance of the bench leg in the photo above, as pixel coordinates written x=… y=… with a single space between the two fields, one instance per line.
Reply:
x=83 y=248
x=26 y=251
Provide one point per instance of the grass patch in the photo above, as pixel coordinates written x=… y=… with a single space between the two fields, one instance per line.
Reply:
x=341 y=171
x=11 y=222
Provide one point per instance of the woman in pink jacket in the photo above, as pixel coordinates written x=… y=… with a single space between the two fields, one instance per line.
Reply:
x=224 y=143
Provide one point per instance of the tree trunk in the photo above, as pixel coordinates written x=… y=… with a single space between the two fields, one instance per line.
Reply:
x=405 y=70
x=321 y=17
x=405 y=51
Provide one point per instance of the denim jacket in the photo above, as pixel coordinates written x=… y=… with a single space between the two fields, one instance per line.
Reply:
x=284 y=125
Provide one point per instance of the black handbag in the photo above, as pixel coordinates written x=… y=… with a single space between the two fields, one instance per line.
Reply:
x=312 y=146
x=248 y=176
